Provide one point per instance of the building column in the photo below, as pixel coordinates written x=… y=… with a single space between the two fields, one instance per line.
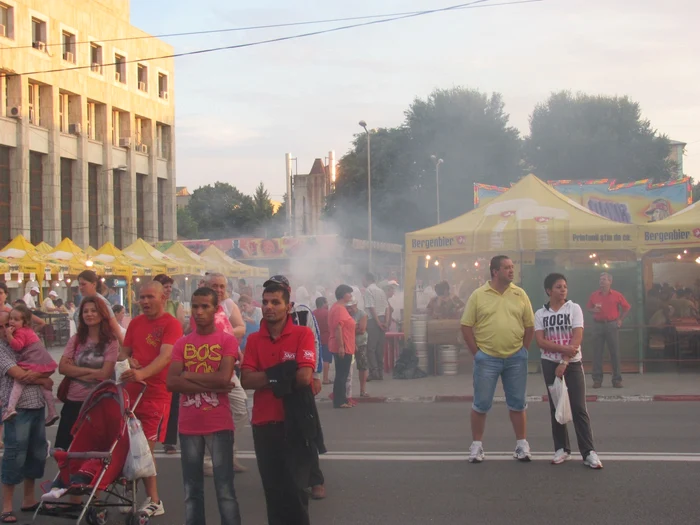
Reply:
x=151 y=216
x=170 y=218
x=106 y=187
x=129 y=219
x=79 y=205
x=17 y=87
x=51 y=169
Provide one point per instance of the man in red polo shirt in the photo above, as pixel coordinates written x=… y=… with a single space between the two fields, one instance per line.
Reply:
x=609 y=308
x=148 y=345
x=279 y=340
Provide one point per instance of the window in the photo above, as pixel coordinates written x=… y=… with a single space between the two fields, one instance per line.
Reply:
x=140 y=203
x=96 y=58
x=36 y=208
x=63 y=112
x=91 y=120
x=68 y=41
x=66 y=198
x=7 y=19
x=117 y=195
x=162 y=140
x=5 y=196
x=38 y=34
x=161 y=209
x=138 y=123
x=120 y=68
x=163 y=86
x=143 y=77
x=93 y=217
x=115 y=127
x=33 y=101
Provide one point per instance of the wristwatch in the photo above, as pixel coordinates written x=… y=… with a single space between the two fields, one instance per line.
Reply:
x=562 y=362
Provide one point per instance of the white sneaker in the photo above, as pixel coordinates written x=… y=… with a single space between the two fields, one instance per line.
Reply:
x=522 y=451
x=560 y=456
x=54 y=494
x=151 y=509
x=593 y=461
x=476 y=453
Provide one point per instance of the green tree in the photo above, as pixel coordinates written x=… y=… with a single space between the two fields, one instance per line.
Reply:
x=277 y=225
x=595 y=137
x=187 y=227
x=259 y=209
x=220 y=210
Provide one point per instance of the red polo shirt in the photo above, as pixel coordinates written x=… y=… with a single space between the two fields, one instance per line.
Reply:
x=611 y=303
x=262 y=352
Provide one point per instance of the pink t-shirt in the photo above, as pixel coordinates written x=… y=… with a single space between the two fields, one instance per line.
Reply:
x=87 y=356
x=207 y=412
x=339 y=315
x=221 y=322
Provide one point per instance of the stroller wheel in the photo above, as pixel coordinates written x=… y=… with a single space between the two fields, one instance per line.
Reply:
x=96 y=516
x=137 y=519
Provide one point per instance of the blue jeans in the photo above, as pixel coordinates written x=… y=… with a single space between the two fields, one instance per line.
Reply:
x=220 y=446
x=513 y=373
x=25 y=447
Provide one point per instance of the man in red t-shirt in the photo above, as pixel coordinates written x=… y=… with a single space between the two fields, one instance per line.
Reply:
x=201 y=371
x=279 y=340
x=148 y=346
x=321 y=315
x=609 y=308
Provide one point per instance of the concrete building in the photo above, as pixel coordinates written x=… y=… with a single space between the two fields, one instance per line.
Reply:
x=309 y=192
x=87 y=142
x=182 y=197
x=676 y=156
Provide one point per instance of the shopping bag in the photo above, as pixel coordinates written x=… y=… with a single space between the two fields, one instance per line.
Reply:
x=139 y=460
x=560 y=399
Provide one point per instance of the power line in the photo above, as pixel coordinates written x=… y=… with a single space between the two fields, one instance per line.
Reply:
x=468 y=5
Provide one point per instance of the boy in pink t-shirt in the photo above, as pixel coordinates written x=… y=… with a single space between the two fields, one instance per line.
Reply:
x=201 y=370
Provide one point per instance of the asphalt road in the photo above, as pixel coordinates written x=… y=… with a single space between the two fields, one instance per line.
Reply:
x=402 y=464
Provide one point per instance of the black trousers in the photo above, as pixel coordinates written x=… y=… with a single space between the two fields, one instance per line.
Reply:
x=342 y=371
x=316 y=477
x=171 y=432
x=576 y=385
x=69 y=415
x=287 y=503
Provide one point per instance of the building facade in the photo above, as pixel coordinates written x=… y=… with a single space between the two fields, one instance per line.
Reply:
x=309 y=192
x=87 y=142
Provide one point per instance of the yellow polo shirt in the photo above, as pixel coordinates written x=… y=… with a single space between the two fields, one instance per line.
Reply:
x=499 y=320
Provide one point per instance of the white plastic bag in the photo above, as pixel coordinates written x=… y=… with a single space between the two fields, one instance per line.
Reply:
x=119 y=368
x=139 y=460
x=560 y=399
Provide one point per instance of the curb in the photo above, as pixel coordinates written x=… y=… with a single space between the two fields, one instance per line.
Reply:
x=637 y=398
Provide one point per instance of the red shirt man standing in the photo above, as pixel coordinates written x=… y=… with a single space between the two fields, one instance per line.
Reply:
x=609 y=308
x=148 y=345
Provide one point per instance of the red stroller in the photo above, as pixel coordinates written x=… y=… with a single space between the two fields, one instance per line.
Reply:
x=95 y=459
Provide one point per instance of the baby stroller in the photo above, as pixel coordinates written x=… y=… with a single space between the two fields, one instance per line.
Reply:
x=95 y=459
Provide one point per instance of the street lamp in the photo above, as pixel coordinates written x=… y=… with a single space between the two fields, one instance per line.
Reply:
x=437 y=182
x=363 y=124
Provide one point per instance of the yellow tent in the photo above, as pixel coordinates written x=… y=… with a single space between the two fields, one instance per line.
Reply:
x=186 y=258
x=71 y=255
x=4 y=265
x=680 y=230
x=530 y=217
x=115 y=262
x=90 y=250
x=147 y=256
x=218 y=261
x=23 y=257
x=44 y=248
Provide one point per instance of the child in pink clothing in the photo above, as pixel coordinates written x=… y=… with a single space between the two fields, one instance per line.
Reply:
x=33 y=356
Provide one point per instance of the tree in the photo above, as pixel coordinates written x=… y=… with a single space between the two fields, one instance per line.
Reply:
x=595 y=137
x=187 y=227
x=696 y=192
x=220 y=210
x=259 y=209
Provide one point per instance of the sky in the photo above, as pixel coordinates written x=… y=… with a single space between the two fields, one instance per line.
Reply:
x=239 y=111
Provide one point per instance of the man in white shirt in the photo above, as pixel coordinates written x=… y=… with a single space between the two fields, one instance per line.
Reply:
x=29 y=297
x=376 y=304
x=48 y=306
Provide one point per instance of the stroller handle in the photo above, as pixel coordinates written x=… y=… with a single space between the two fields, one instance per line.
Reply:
x=136 y=402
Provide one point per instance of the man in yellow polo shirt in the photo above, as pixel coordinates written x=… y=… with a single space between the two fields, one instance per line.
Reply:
x=498 y=326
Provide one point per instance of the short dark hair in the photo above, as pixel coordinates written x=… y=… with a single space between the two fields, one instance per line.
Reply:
x=205 y=291
x=3 y=287
x=320 y=302
x=551 y=280
x=164 y=279
x=19 y=301
x=342 y=290
x=274 y=287
x=442 y=288
x=369 y=276
x=117 y=308
x=89 y=276
x=495 y=264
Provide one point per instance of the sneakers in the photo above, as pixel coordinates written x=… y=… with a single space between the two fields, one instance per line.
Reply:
x=54 y=494
x=522 y=451
x=560 y=456
x=476 y=452
x=617 y=384
x=151 y=509
x=593 y=461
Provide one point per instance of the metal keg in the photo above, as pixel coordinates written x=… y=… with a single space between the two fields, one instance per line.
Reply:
x=448 y=360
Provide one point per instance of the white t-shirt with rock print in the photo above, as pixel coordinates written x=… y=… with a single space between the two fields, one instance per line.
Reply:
x=558 y=327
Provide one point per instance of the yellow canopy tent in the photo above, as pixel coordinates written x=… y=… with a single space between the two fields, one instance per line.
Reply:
x=23 y=257
x=147 y=256
x=71 y=255
x=680 y=230
x=90 y=250
x=115 y=262
x=218 y=261
x=44 y=248
x=530 y=217
x=186 y=258
x=4 y=265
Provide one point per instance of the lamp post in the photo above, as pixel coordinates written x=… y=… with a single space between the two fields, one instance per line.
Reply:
x=437 y=182
x=363 y=124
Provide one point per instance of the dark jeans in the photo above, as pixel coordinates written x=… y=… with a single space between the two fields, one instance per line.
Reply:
x=342 y=371
x=171 y=432
x=287 y=503
x=606 y=333
x=316 y=477
x=69 y=415
x=24 y=456
x=375 y=348
x=576 y=385
x=220 y=446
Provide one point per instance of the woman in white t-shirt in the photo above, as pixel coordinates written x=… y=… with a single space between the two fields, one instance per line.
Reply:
x=559 y=332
